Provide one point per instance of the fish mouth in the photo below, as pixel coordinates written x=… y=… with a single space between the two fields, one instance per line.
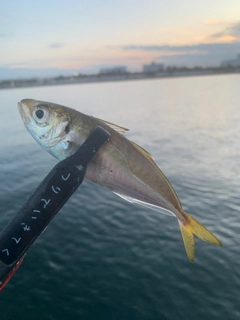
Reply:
x=23 y=110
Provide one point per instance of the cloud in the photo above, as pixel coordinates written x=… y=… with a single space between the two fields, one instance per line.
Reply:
x=211 y=22
x=56 y=45
x=207 y=54
x=204 y=48
x=230 y=32
x=224 y=42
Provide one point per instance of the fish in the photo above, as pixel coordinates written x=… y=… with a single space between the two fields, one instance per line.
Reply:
x=121 y=165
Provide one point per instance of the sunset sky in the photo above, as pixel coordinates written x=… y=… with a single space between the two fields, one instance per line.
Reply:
x=87 y=35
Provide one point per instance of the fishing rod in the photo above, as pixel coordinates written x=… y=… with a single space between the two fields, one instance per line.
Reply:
x=45 y=202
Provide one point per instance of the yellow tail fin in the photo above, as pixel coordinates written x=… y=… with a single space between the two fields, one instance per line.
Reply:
x=192 y=227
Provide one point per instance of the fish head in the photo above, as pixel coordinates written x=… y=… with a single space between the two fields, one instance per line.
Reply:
x=49 y=124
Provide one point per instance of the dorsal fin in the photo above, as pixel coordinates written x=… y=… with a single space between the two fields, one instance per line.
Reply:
x=115 y=127
x=143 y=151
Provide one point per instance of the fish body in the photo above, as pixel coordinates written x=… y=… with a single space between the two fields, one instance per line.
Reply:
x=120 y=165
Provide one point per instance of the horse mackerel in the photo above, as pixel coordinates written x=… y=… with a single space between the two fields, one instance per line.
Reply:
x=120 y=165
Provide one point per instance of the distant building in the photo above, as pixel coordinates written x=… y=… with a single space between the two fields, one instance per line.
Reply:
x=153 y=67
x=232 y=63
x=114 y=70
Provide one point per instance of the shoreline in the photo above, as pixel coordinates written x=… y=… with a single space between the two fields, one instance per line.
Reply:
x=85 y=79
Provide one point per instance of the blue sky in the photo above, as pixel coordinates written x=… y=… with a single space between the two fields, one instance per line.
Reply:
x=50 y=37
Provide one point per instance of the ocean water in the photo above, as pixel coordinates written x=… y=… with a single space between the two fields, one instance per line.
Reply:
x=104 y=258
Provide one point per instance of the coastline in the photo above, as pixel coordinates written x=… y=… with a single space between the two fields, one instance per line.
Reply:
x=83 y=79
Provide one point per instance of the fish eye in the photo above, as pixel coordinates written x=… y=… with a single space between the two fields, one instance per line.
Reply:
x=41 y=113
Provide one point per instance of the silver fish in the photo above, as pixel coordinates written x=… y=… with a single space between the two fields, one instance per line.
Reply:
x=121 y=165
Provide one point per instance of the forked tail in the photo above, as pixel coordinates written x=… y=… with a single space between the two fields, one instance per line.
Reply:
x=192 y=227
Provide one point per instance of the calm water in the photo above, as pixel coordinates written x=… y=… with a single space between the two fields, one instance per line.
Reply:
x=103 y=258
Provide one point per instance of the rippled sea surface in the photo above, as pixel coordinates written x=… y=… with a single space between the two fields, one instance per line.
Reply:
x=104 y=258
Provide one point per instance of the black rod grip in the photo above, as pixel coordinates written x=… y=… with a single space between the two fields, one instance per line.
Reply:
x=45 y=202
